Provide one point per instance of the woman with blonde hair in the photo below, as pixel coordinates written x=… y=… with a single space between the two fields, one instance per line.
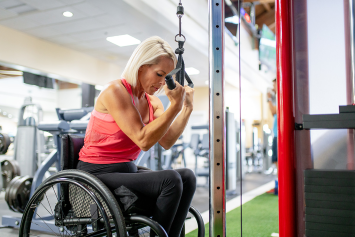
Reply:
x=128 y=118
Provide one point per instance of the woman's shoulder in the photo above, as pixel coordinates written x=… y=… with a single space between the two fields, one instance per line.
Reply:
x=114 y=91
x=114 y=88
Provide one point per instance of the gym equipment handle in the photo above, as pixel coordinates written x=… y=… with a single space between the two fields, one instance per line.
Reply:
x=170 y=82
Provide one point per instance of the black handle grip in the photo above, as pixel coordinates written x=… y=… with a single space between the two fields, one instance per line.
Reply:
x=170 y=82
x=191 y=85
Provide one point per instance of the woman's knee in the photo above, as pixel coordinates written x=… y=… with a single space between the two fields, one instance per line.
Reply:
x=172 y=179
x=188 y=178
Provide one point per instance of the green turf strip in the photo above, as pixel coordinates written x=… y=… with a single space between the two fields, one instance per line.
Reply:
x=260 y=218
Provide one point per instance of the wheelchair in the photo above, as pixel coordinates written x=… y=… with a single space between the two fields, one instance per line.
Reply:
x=75 y=203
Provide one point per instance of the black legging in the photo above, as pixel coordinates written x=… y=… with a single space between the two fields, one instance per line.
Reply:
x=171 y=191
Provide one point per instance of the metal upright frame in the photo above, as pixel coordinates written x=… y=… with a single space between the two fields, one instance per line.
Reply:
x=350 y=71
x=217 y=206
x=286 y=119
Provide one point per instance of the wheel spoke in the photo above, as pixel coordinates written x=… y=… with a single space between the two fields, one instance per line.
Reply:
x=50 y=209
x=55 y=193
x=45 y=224
x=49 y=206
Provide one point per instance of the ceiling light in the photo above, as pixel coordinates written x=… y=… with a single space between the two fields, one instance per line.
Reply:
x=192 y=71
x=67 y=14
x=206 y=82
x=7 y=72
x=10 y=116
x=123 y=40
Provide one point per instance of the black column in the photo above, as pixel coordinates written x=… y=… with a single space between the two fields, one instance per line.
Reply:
x=87 y=95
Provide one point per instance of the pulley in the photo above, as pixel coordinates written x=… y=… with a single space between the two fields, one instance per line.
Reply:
x=18 y=193
x=9 y=170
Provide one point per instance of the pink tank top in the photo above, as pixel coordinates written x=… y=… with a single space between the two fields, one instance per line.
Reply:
x=105 y=142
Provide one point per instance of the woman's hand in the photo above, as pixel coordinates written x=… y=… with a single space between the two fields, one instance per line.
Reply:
x=176 y=96
x=189 y=98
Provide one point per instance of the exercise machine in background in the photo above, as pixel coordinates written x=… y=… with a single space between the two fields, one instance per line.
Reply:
x=28 y=145
x=21 y=188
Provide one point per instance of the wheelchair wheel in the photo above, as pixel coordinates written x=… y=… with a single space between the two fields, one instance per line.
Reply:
x=73 y=203
x=142 y=226
x=200 y=223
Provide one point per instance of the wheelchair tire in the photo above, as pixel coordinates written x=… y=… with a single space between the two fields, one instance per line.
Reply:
x=200 y=223
x=142 y=226
x=134 y=222
x=73 y=219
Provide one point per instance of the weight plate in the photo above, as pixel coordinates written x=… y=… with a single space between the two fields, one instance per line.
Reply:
x=4 y=143
x=13 y=193
x=9 y=190
x=16 y=166
x=18 y=193
x=9 y=170
x=22 y=190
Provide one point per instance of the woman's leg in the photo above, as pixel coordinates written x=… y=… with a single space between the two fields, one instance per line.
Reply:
x=189 y=186
x=164 y=186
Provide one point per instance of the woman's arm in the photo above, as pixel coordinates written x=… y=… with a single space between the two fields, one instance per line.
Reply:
x=176 y=129
x=178 y=126
x=117 y=101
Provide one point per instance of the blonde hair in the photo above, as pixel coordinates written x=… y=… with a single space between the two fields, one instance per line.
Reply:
x=146 y=53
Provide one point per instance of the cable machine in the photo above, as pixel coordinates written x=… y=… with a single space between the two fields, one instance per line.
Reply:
x=217 y=136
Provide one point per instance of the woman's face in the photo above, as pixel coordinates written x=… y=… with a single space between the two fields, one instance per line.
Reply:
x=152 y=77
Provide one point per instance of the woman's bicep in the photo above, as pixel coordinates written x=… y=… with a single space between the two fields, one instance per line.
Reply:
x=158 y=107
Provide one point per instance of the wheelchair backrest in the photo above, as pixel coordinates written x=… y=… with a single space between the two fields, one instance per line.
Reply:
x=71 y=145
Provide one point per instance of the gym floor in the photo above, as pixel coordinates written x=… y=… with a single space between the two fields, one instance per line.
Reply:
x=200 y=201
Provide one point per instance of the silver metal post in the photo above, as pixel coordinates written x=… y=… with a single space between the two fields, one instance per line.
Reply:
x=217 y=196
x=352 y=42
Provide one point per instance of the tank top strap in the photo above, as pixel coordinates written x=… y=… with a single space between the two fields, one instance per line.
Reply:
x=151 y=110
x=129 y=88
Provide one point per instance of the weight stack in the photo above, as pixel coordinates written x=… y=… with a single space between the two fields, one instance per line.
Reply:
x=330 y=203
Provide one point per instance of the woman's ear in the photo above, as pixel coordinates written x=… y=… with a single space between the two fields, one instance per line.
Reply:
x=141 y=68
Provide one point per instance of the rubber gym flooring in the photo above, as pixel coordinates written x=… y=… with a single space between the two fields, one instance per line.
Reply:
x=200 y=201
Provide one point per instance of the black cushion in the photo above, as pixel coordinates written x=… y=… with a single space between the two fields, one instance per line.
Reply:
x=71 y=145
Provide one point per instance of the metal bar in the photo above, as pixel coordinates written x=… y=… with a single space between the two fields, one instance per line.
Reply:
x=217 y=208
x=303 y=158
x=349 y=65
x=48 y=162
x=240 y=125
x=286 y=171
x=350 y=82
